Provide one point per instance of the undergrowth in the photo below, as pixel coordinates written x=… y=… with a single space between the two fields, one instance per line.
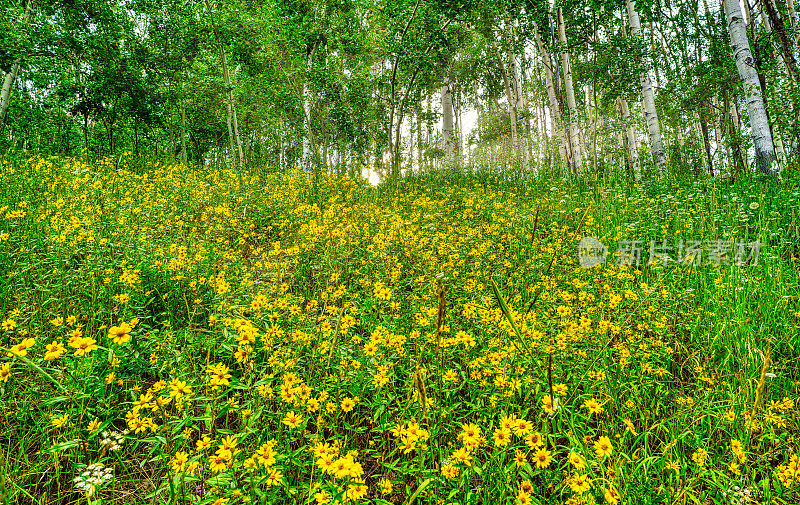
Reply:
x=177 y=335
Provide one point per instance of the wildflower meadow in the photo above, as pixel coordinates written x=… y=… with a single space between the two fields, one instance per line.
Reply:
x=185 y=335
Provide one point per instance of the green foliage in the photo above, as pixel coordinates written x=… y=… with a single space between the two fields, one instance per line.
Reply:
x=392 y=322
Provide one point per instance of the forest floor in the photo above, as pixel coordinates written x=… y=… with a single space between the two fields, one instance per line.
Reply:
x=174 y=335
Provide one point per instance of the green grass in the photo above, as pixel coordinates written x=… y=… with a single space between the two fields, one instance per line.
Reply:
x=280 y=279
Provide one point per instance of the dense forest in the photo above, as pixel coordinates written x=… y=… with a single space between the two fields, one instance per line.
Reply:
x=582 y=86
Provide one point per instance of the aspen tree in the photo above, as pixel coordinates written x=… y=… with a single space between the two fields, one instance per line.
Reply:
x=759 y=126
x=569 y=91
x=448 y=144
x=648 y=100
x=555 y=110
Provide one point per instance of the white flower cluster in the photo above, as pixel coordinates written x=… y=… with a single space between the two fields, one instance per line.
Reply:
x=738 y=495
x=94 y=476
x=113 y=440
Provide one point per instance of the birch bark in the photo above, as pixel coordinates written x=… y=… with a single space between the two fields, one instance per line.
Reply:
x=569 y=91
x=11 y=76
x=448 y=145
x=5 y=95
x=184 y=154
x=648 y=100
x=759 y=126
x=509 y=95
x=793 y=21
x=233 y=125
x=556 y=127
x=775 y=24
x=632 y=144
x=780 y=151
x=519 y=101
x=308 y=138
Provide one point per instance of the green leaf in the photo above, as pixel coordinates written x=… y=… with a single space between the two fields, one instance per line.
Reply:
x=63 y=446
x=38 y=369
x=54 y=401
x=419 y=490
x=507 y=313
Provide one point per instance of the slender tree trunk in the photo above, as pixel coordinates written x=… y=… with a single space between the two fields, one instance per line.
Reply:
x=236 y=129
x=5 y=94
x=11 y=76
x=593 y=129
x=569 y=91
x=733 y=128
x=717 y=125
x=448 y=145
x=515 y=76
x=419 y=141
x=750 y=24
x=174 y=133
x=648 y=100
x=776 y=25
x=621 y=138
x=737 y=125
x=396 y=147
x=699 y=132
x=706 y=143
x=457 y=137
x=529 y=119
x=412 y=139
x=233 y=127
x=793 y=21
x=759 y=125
x=229 y=108
x=555 y=110
x=229 y=122
x=184 y=154
x=429 y=126
x=784 y=64
x=86 y=134
x=631 y=143
x=306 y=153
x=512 y=113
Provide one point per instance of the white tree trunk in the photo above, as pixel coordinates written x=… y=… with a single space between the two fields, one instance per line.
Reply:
x=737 y=125
x=308 y=137
x=590 y=151
x=759 y=126
x=777 y=138
x=5 y=94
x=306 y=127
x=448 y=144
x=648 y=101
x=11 y=76
x=569 y=91
x=233 y=127
x=236 y=130
x=229 y=94
x=631 y=143
x=411 y=142
x=556 y=127
x=528 y=120
x=793 y=21
x=184 y=154
x=717 y=124
x=515 y=75
x=699 y=133
x=512 y=113
x=457 y=127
